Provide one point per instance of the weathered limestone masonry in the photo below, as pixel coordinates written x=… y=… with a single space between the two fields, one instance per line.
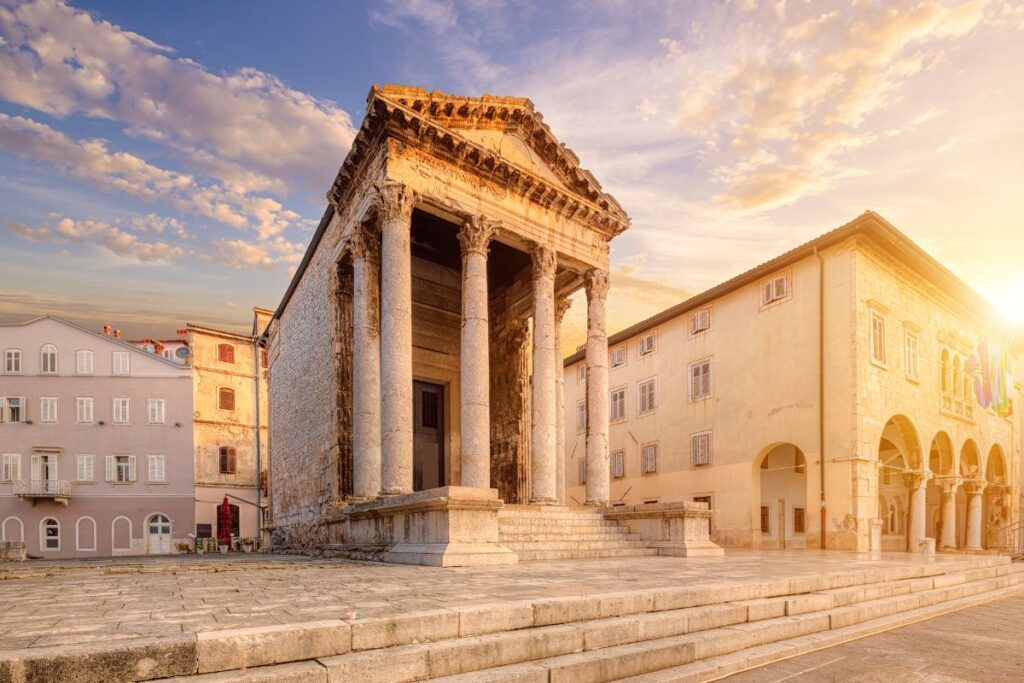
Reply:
x=436 y=282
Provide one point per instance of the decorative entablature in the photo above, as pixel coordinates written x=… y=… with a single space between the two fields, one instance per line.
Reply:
x=431 y=122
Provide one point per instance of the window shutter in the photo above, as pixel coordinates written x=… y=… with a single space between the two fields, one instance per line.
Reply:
x=779 y=286
x=694 y=323
x=15 y=467
x=3 y=409
x=705 y=372
x=24 y=409
x=111 y=468
x=37 y=468
x=132 y=471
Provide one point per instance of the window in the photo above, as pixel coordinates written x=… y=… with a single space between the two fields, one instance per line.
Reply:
x=649 y=458
x=264 y=360
x=700 y=449
x=618 y=405
x=583 y=471
x=156 y=466
x=700 y=380
x=48 y=409
x=12 y=409
x=910 y=352
x=83 y=362
x=83 y=409
x=581 y=373
x=226 y=398
x=121 y=411
x=85 y=534
x=647 y=400
x=765 y=520
x=155 y=410
x=775 y=289
x=798 y=520
x=945 y=372
x=50 y=534
x=618 y=464
x=12 y=361
x=228 y=460
x=226 y=353
x=11 y=467
x=119 y=363
x=86 y=471
x=121 y=468
x=48 y=359
x=581 y=416
x=618 y=357
x=877 y=338
x=700 y=321
x=648 y=344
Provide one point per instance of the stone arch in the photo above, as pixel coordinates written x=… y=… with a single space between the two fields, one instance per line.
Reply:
x=85 y=538
x=970 y=460
x=781 y=487
x=899 y=461
x=121 y=534
x=942 y=470
x=9 y=527
x=996 y=510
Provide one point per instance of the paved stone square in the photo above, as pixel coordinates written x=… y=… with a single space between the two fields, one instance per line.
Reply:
x=984 y=643
x=123 y=599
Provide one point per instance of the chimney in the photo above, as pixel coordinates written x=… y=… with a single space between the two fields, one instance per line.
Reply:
x=117 y=334
x=106 y=330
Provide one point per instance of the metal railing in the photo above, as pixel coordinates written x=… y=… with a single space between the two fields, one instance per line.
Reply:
x=42 y=488
x=1009 y=539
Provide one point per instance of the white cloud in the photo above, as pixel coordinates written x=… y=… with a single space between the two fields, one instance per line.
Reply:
x=100 y=233
x=246 y=128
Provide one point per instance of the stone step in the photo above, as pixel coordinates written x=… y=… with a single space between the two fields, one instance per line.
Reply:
x=547 y=522
x=514 y=536
x=535 y=555
x=574 y=544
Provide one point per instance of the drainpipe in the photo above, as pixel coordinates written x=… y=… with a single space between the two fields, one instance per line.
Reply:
x=821 y=388
x=256 y=380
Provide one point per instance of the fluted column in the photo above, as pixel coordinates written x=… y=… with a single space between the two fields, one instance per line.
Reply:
x=560 y=308
x=365 y=249
x=475 y=375
x=974 y=493
x=598 y=469
x=395 y=207
x=948 y=537
x=543 y=438
x=916 y=482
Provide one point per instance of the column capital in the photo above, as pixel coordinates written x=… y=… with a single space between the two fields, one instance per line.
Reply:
x=596 y=281
x=476 y=234
x=394 y=200
x=916 y=480
x=561 y=306
x=364 y=244
x=974 y=486
x=545 y=261
x=950 y=485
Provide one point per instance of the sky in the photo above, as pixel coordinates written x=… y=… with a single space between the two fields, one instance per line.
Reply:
x=168 y=162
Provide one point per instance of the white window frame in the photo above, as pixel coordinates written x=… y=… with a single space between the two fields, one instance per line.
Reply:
x=647 y=344
x=12 y=357
x=120 y=411
x=649 y=458
x=620 y=391
x=156 y=468
x=652 y=407
x=911 y=354
x=700 y=321
x=42 y=536
x=78 y=535
x=701 y=386
x=581 y=373
x=878 y=355
x=114 y=470
x=619 y=464
x=84 y=362
x=10 y=467
x=775 y=289
x=7 y=410
x=617 y=357
x=701 y=449
x=120 y=363
x=156 y=411
x=46 y=352
x=85 y=470
x=48 y=409
x=581 y=416
x=84 y=409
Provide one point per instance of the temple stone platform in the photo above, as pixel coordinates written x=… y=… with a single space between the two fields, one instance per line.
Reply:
x=298 y=619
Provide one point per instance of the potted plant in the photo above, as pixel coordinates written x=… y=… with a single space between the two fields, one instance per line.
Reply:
x=183 y=548
x=247 y=545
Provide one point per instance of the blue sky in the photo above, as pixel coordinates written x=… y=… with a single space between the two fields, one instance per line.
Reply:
x=168 y=162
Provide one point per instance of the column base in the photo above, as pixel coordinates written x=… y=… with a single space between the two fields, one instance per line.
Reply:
x=544 y=501
x=385 y=493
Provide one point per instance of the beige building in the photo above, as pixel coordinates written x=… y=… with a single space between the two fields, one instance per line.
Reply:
x=857 y=345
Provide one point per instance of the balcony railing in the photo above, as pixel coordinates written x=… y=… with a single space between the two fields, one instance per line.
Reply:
x=43 y=488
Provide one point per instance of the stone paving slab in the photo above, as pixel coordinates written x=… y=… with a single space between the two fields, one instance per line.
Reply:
x=78 y=602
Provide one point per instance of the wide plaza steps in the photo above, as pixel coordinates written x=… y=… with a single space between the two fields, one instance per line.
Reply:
x=558 y=533
x=694 y=632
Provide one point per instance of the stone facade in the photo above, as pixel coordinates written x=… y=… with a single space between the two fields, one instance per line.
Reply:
x=745 y=396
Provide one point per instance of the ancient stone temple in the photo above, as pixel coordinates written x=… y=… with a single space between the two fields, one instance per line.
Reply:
x=415 y=369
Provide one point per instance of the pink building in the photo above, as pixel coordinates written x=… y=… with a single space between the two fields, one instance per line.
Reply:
x=96 y=452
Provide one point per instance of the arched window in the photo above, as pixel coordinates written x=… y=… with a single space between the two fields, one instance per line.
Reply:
x=968 y=389
x=85 y=534
x=957 y=385
x=226 y=398
x=12 y=530
x=226 y=353
x=121 y=533
x=945 y=371
x=48 y=359
x=228 y=460
x=49 y=534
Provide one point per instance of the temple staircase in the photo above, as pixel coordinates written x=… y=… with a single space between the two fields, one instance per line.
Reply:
x=558 y=533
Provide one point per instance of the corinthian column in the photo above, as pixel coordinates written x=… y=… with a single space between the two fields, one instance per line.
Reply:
x=948 y=538
x=543 y=438
x=598 y=470
x=365 y=249
x=560 y=308
x=974 y=491
x=916 y=482
x=395 y=202
x=475 y=375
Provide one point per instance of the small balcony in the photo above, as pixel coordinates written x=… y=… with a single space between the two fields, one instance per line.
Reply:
x=57 y=490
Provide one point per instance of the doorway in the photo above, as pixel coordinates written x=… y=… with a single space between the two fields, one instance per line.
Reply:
x=428 y=469
x=159 y=535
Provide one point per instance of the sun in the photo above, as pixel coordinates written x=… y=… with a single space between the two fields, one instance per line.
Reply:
x=1010 y=303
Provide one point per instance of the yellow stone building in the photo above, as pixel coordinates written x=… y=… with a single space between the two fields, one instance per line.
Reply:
x=858 y=345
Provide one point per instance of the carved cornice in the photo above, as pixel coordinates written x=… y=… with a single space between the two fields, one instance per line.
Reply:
x=431 y=121
x=476 y=234
x=596 y=282
x=394 y=201
x=545 y=262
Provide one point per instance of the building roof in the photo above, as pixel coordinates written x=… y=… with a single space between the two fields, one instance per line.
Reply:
x=224 y=333
x=868 y=223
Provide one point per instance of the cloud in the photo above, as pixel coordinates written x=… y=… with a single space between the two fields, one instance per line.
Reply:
x=246 y=127
x=102 y=234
